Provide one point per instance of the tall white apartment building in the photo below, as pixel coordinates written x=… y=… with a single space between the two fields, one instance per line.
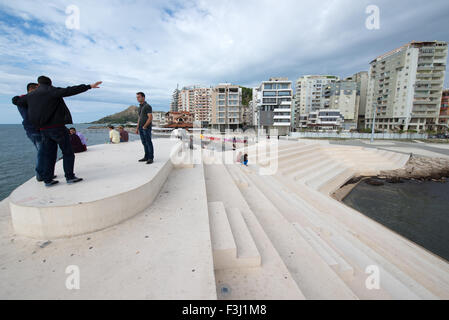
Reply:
x=274 y=105
x=198 y=101
x=227 y=110
x=405 y=87
x=175 y=100
x=310 y=95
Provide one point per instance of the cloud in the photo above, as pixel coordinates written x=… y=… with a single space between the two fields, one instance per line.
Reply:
x=153 y=46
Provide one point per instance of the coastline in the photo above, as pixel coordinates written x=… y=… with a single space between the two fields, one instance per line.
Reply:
x=419 y=168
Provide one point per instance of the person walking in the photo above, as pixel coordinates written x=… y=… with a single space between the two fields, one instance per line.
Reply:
x=48 y=112
x=144 y=124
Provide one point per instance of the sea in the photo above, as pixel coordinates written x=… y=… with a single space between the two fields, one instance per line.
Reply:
x=18 y=154
x=417 y=210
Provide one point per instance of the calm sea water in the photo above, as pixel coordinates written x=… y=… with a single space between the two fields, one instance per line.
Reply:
x=18 y=154
x=419 y=211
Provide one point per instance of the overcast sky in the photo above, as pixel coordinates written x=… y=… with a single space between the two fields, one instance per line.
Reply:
x=152 y=46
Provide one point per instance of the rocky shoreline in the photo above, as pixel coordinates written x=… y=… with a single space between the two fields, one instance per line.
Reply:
x=418 y=168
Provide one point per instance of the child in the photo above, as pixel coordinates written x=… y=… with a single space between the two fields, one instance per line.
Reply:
x=245 y=159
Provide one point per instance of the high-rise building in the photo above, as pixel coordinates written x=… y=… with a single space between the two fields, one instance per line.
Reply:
x=405 y=87
x=274 y=105
x=310 y=95
x=361 y=78
x=227 y=110
x=198 y=101
x=175 y=100
x=444 y=110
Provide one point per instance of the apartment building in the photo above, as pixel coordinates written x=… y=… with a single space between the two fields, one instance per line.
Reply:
x=344 y=96
x=310 y=95
x=248 y=114
x=227 y=111
x=175 y=100
x=323 y=120
x=361 y=79
x=444 y=110
x=197 y=101
x=159 y=118
x=274 y=105
x=405 y=87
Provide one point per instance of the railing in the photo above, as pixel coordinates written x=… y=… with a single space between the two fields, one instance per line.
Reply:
x=355 y=135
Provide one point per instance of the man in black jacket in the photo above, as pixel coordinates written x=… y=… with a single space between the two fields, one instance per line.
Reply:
x=48 y=112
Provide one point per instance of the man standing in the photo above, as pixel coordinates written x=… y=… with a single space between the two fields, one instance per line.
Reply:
x=48 y=112
x=144 y=127
x=32 y=133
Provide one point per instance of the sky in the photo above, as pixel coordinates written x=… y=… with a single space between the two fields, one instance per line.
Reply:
x=152 y=46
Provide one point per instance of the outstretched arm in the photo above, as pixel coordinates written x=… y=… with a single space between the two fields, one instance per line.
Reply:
x=20 y=101
x=71 y=91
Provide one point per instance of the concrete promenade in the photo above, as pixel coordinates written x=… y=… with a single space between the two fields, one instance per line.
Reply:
x=211 y=230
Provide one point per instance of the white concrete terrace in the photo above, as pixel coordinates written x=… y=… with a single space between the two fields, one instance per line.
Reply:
x=211 y=231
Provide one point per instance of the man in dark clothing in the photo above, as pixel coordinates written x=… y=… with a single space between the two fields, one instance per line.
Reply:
x=124 y=136
x=32 y=133
x=144 y=128
x=75 y=142
x=48 y=112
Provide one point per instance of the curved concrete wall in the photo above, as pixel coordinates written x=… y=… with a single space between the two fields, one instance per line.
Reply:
x=52 y=222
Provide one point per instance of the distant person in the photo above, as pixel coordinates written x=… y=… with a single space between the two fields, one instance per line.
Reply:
x=80 y=135
x=144 y=127
x=124 y=136
x=114 y=136
x=48 y=112
x=245 y=159
x=32 y=133
x=77 y=144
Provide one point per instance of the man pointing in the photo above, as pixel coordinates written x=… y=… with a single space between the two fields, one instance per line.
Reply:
x=48 y=112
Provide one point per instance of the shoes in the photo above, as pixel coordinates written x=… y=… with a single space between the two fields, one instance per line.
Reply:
x=143 y=160
x=74 y=180
x=150 y=161
x=51 y=183
x=41 y=180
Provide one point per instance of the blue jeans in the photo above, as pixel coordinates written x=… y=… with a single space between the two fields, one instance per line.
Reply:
x=145 y=137
x=36 y=139
x=51 y=139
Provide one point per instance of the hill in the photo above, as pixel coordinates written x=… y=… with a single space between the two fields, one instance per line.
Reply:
x=128 y=115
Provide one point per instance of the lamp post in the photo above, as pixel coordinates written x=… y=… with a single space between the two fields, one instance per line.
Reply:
x=374 y=121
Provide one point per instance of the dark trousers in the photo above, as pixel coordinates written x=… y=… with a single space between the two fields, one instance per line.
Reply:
x=145 y=137
x=51 y=139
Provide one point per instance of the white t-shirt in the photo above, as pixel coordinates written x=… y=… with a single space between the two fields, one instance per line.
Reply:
x=114 y=136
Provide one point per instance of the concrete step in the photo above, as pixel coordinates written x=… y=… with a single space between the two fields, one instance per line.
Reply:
x=335 y=183
x=296 y=153
x=223 y=244
x=313 y=275
x=363 y=252
x=247 y=253
x=272 y=280
x=301 y=164
x=237 y=176
x=303 y=157
x=319 y=171
x=340 y=265
x=318 y=182
x=311 y=168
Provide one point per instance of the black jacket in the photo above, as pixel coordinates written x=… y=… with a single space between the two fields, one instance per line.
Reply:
x=46 y=106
